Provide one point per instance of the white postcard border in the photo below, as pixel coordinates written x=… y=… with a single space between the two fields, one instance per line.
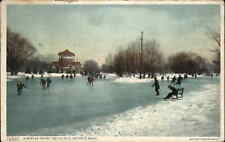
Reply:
x=4 y=136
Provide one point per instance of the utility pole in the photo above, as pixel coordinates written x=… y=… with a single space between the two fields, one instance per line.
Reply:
x=141 y=55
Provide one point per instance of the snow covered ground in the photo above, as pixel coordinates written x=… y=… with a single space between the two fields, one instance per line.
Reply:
x=131 y=80
x=192 y=116
x=22 y=75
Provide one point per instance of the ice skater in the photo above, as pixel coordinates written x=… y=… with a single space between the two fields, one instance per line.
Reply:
x=179 y=80
x=90 y=80
x=48 y=82
x=156 y=85
x=168 y=78
x=62 y=76
x=32 y=77
x=43 y=83
x=173 y=80
x=20 y=85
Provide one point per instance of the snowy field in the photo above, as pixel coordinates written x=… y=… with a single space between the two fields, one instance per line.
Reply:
x=113 y=107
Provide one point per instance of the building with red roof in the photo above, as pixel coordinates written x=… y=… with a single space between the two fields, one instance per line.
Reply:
x=67 y=61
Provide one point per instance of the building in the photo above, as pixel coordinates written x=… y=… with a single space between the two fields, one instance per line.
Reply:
x=67 y=62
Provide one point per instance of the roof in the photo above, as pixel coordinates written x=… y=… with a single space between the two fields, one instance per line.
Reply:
x=66 y=53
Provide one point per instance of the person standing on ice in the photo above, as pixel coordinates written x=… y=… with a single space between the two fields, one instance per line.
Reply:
x=20 y=85
x=48 y=82
x=168 y=78
x=179 y=79
x=156 y=85
x=32 y=77
x=43 y=83
x=173 y=79
x=62 y=76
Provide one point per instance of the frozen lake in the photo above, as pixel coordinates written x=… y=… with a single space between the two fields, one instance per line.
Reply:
x=73 y=103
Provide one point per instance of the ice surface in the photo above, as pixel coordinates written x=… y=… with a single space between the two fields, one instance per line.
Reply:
x=112 y=108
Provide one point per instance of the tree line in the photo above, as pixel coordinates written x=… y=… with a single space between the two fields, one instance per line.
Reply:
x=22 y=55
x=151 y=60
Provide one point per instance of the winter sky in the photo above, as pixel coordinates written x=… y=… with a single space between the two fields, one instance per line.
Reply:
x=94 y=31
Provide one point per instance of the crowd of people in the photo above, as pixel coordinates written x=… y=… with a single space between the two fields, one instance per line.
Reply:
x=46 y=82
x=174 y=82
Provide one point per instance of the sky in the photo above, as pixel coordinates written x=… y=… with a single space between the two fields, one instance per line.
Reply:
x=94 y=31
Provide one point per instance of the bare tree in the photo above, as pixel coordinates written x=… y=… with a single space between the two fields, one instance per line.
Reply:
x=187 y=62
x=153 y=57
x=214 y=35
x=19 y=51
x=91 y=66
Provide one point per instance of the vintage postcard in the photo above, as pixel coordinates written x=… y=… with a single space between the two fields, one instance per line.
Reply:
x=112 y=71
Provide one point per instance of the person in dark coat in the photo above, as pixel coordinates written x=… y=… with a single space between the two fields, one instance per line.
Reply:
x=90 y=80
x=62 y=76
x=174 y=79
x=168 y=78
x=179 y=79
x=48 y=82
x=32 y=77
x=185 y=76
x=156 y=85
x=43 y=83
x=20 y=85
x=174 y=91
x=71 y=76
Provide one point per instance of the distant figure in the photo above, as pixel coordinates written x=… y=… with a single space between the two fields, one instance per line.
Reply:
x=27 y=78
x=32 y=77
x=174 y=91
x=100 y=76
x=195 y=75
x=48 y=82
x=43 y=83
x=211 y=75
x=173 y=79
x=67 y=76
x=104 y=76
x=162 y=77
x=152 y=75
x=185 y=76
x=71 y=76
x=62 y=76
x=20 y=85
x=179 y=79
x=156 y=85
x=168 y=78
x=90 y=80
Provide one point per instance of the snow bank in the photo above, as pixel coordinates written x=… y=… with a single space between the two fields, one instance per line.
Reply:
x=22 y=75
x=110 y=75
x=131 y=80
x=192 y=116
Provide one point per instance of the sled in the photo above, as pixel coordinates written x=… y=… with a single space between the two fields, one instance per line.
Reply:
x=179 y=94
